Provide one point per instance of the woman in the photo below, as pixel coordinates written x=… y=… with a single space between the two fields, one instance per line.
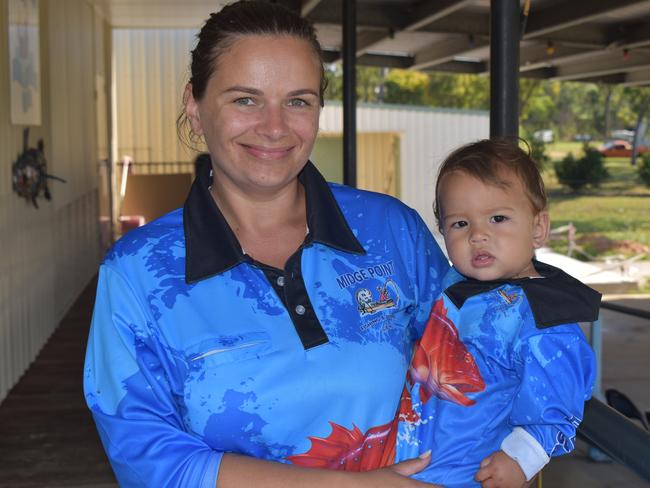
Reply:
x=272 y=318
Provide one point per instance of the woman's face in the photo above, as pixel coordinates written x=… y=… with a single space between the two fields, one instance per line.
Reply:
x=259 y=114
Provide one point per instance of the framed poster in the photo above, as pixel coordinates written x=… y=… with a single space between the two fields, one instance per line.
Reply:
x=24 y=63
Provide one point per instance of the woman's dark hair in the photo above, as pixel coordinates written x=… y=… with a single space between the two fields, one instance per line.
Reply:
x=488 y=160
x=240 y=19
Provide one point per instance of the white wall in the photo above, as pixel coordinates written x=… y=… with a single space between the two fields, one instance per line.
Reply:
x=427 y=136
x=48 y=255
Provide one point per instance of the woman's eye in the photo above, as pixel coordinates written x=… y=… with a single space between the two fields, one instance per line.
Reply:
x=498 y=219
x=298 y=102
x=458 y=224
x=244 y=101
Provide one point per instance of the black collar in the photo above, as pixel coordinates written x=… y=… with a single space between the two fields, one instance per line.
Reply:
x=556 y=298
x=211 y=246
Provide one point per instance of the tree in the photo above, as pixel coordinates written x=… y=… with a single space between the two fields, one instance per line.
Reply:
x=587 y=170
x=608 y=98
x=644 y=169
x=568 y=108
x=368 y=79
x=406 y=87
x=639 y=100
x=459 y=91
x=527 y=89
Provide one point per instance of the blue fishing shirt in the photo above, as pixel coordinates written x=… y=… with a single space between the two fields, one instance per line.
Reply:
x=196 y=349
x=500 y=366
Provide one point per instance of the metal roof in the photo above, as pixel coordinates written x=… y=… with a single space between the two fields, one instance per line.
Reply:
x=588 y=40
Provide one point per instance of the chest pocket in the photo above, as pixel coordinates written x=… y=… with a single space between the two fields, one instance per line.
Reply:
x=228 y=349
x=224 y=382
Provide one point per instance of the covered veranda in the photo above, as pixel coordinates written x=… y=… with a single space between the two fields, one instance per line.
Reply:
x=44 y=442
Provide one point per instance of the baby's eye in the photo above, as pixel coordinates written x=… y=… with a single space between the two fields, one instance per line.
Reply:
x=298 y=102
x=498 y=219
x=458 y=224
x=244 y=101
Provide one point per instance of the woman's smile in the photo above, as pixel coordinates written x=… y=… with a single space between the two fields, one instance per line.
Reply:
x=267 y=153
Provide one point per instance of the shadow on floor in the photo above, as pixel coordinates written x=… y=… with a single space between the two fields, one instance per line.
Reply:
x=47 y=436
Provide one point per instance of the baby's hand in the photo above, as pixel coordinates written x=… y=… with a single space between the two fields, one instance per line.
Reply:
x=500 y=471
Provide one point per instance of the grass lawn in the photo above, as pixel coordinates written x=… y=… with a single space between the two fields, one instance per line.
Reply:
x=611 y=220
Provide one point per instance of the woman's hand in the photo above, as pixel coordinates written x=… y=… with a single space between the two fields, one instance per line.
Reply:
x=243 y=472
x=398 y=474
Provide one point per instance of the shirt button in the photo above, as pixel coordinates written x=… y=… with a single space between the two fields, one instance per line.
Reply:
x=280 y=281
x=300 y=310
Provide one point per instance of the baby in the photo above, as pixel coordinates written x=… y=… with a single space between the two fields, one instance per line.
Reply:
x=498 y=381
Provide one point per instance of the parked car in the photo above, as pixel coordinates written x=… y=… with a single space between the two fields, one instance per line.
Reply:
x=582 y=137
x=620 y=149
x=545 y=135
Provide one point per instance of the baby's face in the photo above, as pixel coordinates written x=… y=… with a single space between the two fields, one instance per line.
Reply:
x=490 y=232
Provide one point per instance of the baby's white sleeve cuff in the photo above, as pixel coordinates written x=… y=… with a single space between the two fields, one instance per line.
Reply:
x=524 y=448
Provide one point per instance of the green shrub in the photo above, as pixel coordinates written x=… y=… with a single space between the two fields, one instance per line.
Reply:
x=643 y=169
x=578 y=173
x=538 y=153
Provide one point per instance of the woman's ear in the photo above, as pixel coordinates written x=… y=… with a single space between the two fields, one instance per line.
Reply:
x=541 y=229
x=192 y=110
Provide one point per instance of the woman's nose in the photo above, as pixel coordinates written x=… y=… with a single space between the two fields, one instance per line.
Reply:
x=273 y=123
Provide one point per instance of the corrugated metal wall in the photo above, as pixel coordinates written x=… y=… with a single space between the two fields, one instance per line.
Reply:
x=151 y=70
x=48 y=255
x=427 y=136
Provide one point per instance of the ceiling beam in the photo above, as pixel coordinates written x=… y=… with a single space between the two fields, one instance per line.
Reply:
x=329 y=12
x=605 y=65
x=331 y=55
x=426 y=12
x=581 y=49
x=368 y=38
x=613 y=79
x=571 y=13
x=381 y=61
x=637 y=78
x=295 y=5
x=308 y=6
x=634 y=36
x=444 y=51
x=540 y=73
x=365 y=40
x=536 y=56
x=461 y=23
x=460 y=67
x=378 y=60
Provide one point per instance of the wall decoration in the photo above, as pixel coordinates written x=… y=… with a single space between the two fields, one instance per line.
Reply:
x=29 y=172
x=24 y=62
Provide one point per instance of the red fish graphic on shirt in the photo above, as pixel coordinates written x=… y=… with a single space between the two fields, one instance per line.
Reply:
x=442 y=366
x=441 y=363
x=351 y=449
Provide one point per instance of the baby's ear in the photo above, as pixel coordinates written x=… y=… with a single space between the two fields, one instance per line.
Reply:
x=541 y=229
